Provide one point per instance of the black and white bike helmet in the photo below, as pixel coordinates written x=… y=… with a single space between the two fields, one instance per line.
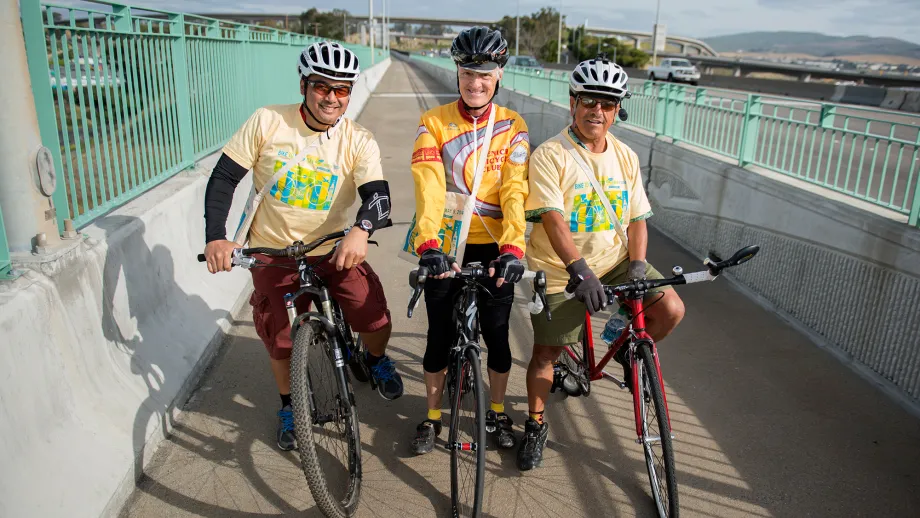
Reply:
x=479 y=48
x=329 y=59
x=599 y=76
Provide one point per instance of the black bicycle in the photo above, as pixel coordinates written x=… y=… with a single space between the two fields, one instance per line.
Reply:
x=325 y=414
x=466 y=438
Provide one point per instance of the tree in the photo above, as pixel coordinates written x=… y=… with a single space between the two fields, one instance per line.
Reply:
x=589 y=46
x=327 y=24
x=539 y=32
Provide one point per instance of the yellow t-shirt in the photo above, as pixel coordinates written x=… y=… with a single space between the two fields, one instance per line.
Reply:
x=558 y=183
x=313 y=198
x=442 y=162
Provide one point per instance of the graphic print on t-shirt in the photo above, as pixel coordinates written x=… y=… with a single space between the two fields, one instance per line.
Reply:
x=588 y=213
x=310 y=185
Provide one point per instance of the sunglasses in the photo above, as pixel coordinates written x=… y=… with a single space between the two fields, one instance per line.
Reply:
x=323 y=88
x=606 y=104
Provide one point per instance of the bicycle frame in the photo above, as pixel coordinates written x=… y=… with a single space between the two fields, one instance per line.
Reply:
x=635 y=332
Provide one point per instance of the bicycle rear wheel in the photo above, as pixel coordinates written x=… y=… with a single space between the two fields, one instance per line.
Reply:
x=326 y=422
x=656 y=435
x=467 y=437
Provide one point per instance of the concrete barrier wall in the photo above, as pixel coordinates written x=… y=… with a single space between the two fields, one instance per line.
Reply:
x=848 y=277
x=103 y=342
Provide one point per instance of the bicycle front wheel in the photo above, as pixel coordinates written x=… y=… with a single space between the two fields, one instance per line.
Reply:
x=326 y=422
x=467 y=437
x=656 y=434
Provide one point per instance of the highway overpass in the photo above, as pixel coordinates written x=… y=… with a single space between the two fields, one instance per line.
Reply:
x=691 y=46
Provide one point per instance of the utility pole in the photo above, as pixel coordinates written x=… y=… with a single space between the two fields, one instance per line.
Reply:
x=383 y=27
x=344 y=27
x=370 y=26
x=559 y=38
x=517 y=34
x=655 y=35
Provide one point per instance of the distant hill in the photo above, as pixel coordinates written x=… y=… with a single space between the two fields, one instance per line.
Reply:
x=813 y=43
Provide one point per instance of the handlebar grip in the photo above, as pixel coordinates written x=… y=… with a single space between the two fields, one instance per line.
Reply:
x=202 y=258
x=528 y=275
x=568 y=295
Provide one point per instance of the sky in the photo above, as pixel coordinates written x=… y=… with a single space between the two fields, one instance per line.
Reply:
x=698 y=19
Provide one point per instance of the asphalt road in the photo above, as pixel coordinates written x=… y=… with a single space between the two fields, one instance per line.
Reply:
x=766 y=423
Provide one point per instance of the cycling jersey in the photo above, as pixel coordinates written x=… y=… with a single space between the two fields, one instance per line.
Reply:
x=314 y=197
x=442 y=161
x=557 y=183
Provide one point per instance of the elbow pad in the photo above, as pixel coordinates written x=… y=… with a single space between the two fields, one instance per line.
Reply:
x=374 y=212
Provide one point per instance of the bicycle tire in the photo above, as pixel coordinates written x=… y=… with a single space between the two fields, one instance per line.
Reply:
x=468 y=387
x=649 y=381
x=307 y=376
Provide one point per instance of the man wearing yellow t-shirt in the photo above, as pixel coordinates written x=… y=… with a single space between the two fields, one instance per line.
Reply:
x=576 y=243
x=309 y=201
x=447 y=146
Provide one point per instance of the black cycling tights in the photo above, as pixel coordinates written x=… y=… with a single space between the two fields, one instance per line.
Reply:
x=494 y=312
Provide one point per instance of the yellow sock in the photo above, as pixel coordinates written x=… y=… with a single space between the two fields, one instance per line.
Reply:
x=537 y=416
x=498 y=408
x=434 y=415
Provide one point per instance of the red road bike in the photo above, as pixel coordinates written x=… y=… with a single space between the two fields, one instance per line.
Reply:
x=578 y=369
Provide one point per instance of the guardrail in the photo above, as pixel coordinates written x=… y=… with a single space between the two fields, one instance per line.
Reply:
x=867 y=154
x=125 y=100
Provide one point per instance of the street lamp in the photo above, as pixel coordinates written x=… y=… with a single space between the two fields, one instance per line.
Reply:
x=559 y=38
x=655 y=35
x=517 y=34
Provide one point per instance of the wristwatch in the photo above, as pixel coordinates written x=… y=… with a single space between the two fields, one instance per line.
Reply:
x=365 y=225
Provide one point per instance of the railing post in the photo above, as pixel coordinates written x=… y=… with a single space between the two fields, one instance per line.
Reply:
x=213 y=30
x=32 y=197
x=122 y=15
x=676 y=112
x=828 y=111
x=914 y=218
x=750 y=129
x=183 y=96
x=661 y=110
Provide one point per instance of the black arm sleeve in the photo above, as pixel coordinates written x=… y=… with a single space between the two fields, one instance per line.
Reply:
x=219 y=196
x=375 y=204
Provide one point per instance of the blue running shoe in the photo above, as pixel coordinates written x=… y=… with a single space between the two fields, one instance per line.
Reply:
x=287 y=441
x=389 y=383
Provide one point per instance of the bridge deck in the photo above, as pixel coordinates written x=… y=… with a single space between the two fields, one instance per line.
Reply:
x=766 y=423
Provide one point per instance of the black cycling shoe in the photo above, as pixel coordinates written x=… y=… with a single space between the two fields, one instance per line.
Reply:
x=500 y=427
x=425 y=434
x=621 y=358
x=530 y=454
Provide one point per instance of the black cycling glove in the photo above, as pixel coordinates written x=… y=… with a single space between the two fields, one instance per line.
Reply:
x=587 y=287
x=508 y=267
x=436 y=261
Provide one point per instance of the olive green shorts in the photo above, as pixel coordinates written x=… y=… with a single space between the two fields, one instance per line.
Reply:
x=569 y=315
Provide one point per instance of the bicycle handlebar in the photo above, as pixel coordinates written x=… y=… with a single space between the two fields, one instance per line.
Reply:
x=418 y=277
x=242 y=256
x=714 y=268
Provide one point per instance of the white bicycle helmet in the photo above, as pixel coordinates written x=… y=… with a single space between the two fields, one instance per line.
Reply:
x=329 y=59
x=599 y=76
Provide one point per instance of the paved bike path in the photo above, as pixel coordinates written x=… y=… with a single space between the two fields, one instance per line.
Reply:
x=766 y=423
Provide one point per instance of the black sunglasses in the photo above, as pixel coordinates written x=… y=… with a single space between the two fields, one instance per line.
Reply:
x=606 y=104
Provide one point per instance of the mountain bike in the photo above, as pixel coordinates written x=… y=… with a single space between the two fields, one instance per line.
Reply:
x=578 y=369
x=466 y=439
x=325 y=414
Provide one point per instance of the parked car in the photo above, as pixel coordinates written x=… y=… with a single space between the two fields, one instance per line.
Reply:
x=674 y=70
x=525 y=62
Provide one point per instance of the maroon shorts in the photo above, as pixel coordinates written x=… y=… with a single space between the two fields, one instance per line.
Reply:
x=357 y=290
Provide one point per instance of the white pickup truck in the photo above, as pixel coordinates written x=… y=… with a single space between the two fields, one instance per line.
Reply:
x=674 y=69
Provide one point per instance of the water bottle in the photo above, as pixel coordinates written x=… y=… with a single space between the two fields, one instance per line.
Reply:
x=614 y=327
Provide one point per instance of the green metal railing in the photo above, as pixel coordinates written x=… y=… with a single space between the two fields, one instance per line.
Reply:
x=4 y=251
x=128 y=96
x=868 y=154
